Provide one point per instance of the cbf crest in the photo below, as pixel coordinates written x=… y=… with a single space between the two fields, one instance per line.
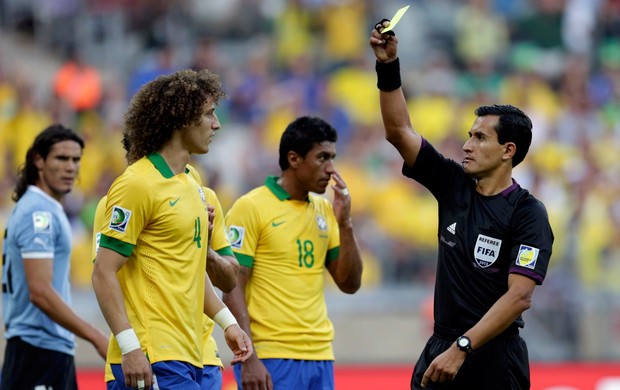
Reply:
x=486 y=250
x=321 y=223
x=202 y=194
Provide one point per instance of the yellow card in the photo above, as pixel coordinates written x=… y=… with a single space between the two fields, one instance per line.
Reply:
x=399 y=14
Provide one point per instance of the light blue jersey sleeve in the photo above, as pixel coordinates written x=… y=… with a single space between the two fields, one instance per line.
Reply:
x=37 y=229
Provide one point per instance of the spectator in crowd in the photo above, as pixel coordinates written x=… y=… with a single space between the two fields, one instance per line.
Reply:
x=78 y=84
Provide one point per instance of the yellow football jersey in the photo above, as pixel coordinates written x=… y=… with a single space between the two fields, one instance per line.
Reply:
x=219 y=243
x=287 y=243
x=160 y=222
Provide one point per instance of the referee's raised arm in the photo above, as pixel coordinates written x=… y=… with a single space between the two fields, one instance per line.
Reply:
x=398 y=129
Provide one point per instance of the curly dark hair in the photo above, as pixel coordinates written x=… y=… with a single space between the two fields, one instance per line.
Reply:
x=28 y=173
x=164 y=105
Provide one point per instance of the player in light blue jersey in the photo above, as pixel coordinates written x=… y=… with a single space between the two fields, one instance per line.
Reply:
x=36 y=302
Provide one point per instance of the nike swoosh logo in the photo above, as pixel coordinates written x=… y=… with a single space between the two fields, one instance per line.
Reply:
x=173 y=202
x=276 y=224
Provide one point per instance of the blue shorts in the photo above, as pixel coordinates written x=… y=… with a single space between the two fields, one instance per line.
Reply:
x=169 y=375
x=211 y=378
x=289 y=374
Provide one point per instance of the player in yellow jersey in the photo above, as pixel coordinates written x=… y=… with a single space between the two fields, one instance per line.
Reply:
x=149 y=273
x=284 y=238
x=222 y=268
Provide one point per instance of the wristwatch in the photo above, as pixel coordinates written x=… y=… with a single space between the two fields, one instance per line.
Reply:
x=464 y=344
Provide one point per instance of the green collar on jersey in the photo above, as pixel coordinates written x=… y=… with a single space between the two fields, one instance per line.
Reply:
x=161 y=165
x=271 y=182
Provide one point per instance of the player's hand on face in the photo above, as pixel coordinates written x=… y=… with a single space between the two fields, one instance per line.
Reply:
x=385 y=46
x=254 y=375
x=342 y=199
x=239 y=343
x=137 y=369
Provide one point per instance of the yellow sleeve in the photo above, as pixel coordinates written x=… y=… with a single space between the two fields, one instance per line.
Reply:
x=219 y=238
x=98 y=225
x=128 y=211
x=243 y=222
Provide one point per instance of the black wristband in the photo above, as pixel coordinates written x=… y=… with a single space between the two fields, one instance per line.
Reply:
x=388 y=75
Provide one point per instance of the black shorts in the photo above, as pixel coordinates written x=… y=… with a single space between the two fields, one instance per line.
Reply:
x=501 y=364
x=26 y=366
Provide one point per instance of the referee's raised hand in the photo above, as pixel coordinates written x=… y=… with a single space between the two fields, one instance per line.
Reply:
x=384 y=45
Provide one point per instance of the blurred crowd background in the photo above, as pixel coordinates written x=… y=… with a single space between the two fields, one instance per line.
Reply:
x=78 y=62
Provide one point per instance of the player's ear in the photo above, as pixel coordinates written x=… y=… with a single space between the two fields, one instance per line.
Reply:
x=38 y=161
x=293 y=159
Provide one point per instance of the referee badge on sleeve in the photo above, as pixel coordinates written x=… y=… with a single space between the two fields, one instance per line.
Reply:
x=527 y=256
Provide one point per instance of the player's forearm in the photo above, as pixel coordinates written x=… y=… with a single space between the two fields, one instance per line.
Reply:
x=349 y=267
x=50 y=303
x=110 y=299
x=222 y=270
x=238 y=307
x=212 y=302
x=235 y=300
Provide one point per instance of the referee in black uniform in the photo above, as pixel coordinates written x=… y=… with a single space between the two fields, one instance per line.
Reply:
x=494 y=239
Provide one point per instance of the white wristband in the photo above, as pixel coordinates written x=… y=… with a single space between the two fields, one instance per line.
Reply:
x=127 y=341
x=224 y=318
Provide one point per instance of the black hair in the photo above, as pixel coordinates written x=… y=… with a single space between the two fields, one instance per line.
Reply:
x=28 y=173
x=302 y=134
x=513 y=126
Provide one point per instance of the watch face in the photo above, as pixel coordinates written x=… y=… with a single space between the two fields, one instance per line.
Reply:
x=464 y=342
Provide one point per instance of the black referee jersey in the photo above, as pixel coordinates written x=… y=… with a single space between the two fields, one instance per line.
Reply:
x=482 y=239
